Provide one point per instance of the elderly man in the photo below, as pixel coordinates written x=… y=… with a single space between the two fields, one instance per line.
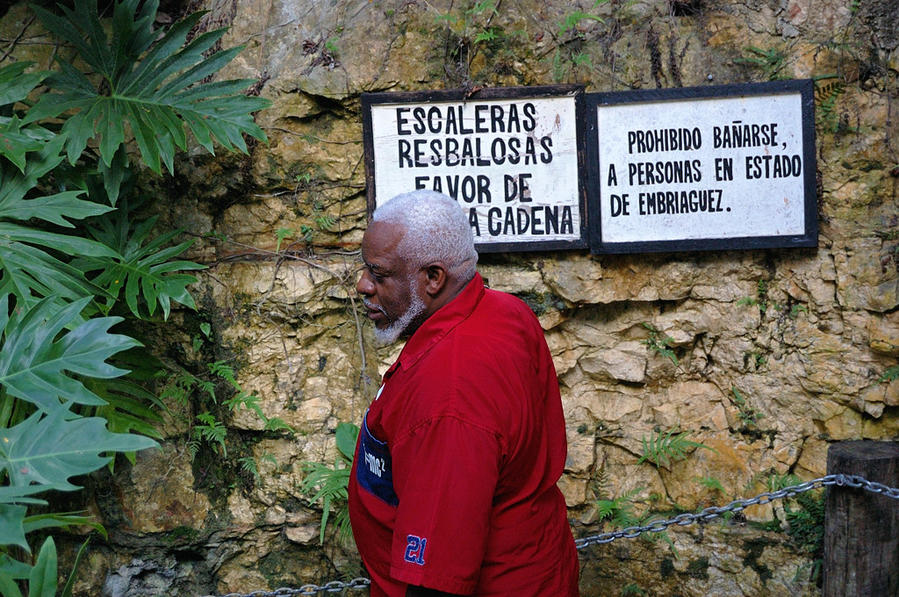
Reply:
x=453 y=489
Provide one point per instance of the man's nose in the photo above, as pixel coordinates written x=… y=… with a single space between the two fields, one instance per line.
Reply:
x=364 y=286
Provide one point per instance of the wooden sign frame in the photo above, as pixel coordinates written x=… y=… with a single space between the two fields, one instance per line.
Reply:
x=672 y=151
x=530 y=126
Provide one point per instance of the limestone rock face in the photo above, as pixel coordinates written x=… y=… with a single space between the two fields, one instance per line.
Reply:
x=761 y=358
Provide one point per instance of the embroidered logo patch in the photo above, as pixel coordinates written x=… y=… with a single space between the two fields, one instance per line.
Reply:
x=374 y=471
x=415 y=550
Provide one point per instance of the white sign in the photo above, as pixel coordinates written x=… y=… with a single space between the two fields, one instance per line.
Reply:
x=511 y=162
x=703 y=168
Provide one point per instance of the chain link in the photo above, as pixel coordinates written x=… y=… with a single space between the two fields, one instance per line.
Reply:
x=335 y=586
x=657 y=526
x=707 y=514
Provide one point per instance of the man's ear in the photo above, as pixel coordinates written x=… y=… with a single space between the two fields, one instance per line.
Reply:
x=436 y=278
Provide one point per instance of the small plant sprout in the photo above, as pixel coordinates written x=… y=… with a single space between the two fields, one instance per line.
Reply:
x=664 y=448
x=281 y=234
x=659 y=343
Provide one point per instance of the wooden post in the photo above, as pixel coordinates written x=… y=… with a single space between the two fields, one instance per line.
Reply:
x=861 y=528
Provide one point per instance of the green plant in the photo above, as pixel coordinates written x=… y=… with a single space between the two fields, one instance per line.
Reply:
x=619 y=511
x=760 y=299
x=659 y=343
x=711 y=483
x=207 y=427
x=571 y=20
x=281 y=234
x=328 y=484
x=75 y=260
x=770 y=62
x=632 y=590
x=663 y=448
x=890 y=374
x=828 y=89
x=749 y=417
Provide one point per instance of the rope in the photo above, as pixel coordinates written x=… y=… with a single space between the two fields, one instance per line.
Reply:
x=687 y=518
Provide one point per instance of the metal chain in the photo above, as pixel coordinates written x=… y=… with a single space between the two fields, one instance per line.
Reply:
x=335 y=586
x=738 y=505
x=687 y=518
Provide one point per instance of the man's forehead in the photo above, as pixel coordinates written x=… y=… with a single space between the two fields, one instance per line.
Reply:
x=381 y=241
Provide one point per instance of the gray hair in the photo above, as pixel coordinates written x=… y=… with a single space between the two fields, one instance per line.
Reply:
x=437 y=229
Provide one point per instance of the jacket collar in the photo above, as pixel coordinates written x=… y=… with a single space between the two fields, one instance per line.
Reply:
x=438 y=325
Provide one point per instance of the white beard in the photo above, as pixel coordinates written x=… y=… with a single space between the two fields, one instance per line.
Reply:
x=390 y=334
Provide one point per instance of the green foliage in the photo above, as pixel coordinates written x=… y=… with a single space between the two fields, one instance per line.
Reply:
x=150 y=82
x=664 y=448
x=770 y=62
x=207 y=428
x=711 y=483
x=890 y=374
x=760 y=299
x=571 y=21
x=283 y=233
x=73 y=266
x=632 y=590
x=749 y=417
x=143 y=269
x=828 y=90
x=328 y=484
x=619 y=511
x=659 y=343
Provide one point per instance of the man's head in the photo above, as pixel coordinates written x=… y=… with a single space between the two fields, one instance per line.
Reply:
x=418 y=254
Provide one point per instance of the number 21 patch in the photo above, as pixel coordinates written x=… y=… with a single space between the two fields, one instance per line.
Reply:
x=415 y=549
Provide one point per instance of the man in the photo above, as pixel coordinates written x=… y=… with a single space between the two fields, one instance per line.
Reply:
x=453 y=489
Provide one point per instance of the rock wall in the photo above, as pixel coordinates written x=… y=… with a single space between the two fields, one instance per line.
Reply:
x=774 y=354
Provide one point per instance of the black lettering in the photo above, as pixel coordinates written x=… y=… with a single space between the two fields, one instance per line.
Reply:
x=462 y=129
x=483 y=188
x=473 y=221
x=401 y=121
x=514 y=122
x=496 y=119
x=509 y=221
x=404 y=148
x=452 y=126
x=481 y=160
x=481 y=119
x=419 y=114
x=498 y=151
x=619 y=205
x=418 y=149
x=524 y=220
x=530 y=120
x=435 y=120
x=436 y=152
x=494 y=224
x=546 y=156
x=552 y=219
x=567 y=220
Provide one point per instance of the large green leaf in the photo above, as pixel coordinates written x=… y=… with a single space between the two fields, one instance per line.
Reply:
x=12 y=525
x=58 y=208
x=141 y=270
x=8 y=586
x=29 y=273
x=150 y=85
x=14 y=568
x=38 y=355
x=62 y=520
x=49 y=449
x=42 y=580
x=16 y=84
